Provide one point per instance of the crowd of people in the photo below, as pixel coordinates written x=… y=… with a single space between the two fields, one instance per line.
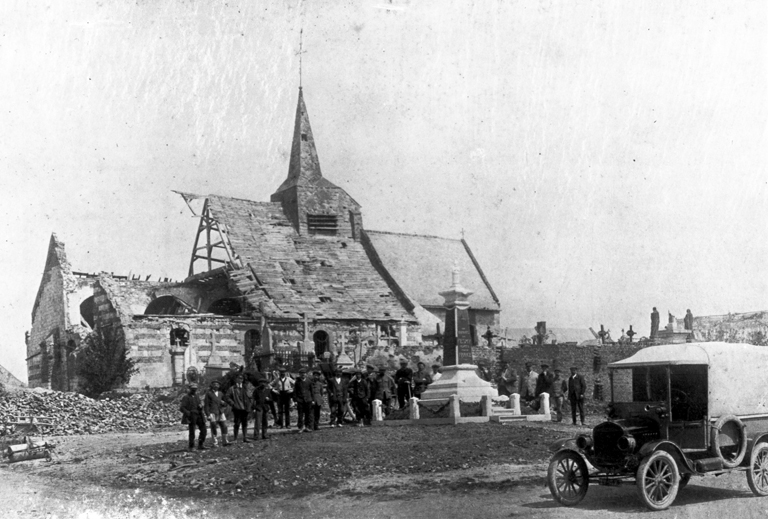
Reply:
x=348 y=394
x=531 y=385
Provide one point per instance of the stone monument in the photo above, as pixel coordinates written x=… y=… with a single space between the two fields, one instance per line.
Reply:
x=459 y=374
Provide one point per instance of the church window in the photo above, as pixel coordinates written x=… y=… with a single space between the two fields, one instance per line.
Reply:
x=87 y=311
x=325 y=224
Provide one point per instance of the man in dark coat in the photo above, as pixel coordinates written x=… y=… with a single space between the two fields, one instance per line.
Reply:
x=194 y=415
x=544 y=382
x=404 y=382
x=385 y=388
x=337 y=397
x=318 y=390
x=576 y=389
x=261 y=400
x=360 y=394
x=302 y=395
x=239 y=397
x=421 y=379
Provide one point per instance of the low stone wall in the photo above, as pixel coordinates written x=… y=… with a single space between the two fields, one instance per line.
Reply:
x=591 y=362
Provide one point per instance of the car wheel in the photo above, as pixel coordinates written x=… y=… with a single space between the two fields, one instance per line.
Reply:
x=658 y=480
x=757 y=473
x=568 y=478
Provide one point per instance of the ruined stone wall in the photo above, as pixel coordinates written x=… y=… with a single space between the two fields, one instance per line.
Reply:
x=55 y=327
x=149 y=343
x=591 y=361
x=48 y=325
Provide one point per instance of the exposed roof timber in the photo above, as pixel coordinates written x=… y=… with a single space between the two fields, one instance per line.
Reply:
x=480 y=271
x=187 y=198
x=207 y=275
x=210 y=225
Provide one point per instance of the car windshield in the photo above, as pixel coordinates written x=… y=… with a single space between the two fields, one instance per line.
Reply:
x=640 y=384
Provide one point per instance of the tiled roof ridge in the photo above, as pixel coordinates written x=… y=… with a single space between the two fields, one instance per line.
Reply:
x=243 y=200
x=413 y=235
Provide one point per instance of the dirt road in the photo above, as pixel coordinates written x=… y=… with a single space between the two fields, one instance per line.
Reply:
x=375 y=478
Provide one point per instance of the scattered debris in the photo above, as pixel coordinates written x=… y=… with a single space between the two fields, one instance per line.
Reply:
x=73 y=413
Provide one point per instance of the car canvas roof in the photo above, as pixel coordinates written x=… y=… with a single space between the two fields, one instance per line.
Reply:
x=737 y=374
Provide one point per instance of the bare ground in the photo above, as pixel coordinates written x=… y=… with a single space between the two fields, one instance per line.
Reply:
x=472 y=470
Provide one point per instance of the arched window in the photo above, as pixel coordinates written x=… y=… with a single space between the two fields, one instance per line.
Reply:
x=226 y=306
x=321 y=342
x=86 y=311
x=179 y=337
x=168 y=305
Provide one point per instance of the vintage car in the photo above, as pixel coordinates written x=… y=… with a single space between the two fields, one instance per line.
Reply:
x=676 y=411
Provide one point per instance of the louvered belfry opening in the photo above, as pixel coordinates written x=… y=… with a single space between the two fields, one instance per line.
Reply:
x=325 y=224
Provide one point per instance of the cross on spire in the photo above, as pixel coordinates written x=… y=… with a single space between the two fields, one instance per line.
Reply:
x=301 y=51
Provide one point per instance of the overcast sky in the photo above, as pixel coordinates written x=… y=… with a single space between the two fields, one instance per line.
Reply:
x=601 y=157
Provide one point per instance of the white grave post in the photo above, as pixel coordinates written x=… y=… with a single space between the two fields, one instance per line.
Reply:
x=544 y=401
x=414 y=408
x=377 y=410
x=514 y=398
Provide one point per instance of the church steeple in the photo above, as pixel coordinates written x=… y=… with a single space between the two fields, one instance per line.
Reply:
x=304 y=167
x=314 y=205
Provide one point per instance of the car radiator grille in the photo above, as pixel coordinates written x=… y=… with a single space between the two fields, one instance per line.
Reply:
x=606 y=443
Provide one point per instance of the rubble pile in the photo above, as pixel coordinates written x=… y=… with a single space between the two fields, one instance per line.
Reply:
x=72 y=413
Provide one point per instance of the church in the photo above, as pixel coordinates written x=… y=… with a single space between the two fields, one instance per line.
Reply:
x=298 y=276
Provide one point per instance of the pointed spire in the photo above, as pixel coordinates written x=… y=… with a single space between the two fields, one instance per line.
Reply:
x=304 y=167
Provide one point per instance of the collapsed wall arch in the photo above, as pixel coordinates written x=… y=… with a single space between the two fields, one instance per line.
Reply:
x=168 y=305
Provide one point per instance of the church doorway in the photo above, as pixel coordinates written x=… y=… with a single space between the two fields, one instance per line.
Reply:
x=252 y=346
x=321 y=343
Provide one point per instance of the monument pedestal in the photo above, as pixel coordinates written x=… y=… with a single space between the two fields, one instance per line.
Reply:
x=460 y=380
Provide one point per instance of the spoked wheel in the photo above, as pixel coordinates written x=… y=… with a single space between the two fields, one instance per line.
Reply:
x=757 y=474
x=568 y=478
x=658 y=480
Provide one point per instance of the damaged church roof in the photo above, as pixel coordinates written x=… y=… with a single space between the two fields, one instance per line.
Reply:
x=286 y=274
